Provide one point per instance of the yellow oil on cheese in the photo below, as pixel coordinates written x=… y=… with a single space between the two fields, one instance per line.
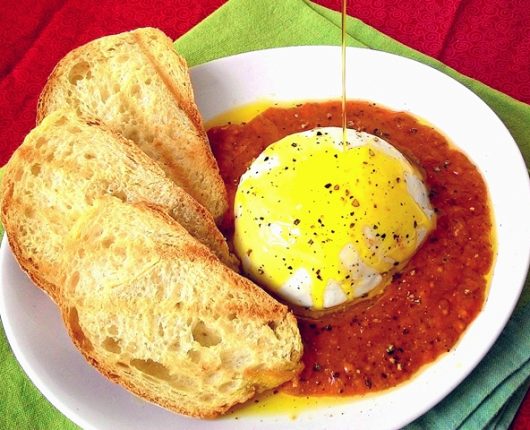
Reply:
x=320 y=221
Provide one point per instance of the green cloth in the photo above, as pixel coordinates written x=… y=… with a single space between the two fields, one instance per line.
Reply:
x=490 y=396
x=22 y=406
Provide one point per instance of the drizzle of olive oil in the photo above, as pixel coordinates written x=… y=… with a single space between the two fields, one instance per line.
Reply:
x=343 y=52
x=240 y=114
x=278 y=403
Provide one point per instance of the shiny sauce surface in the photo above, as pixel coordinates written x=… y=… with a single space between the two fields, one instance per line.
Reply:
x=380 y=342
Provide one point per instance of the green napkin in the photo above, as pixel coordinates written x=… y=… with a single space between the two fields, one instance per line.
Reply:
x=490 y=396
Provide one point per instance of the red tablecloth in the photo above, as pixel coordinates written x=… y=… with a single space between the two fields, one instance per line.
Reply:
x=486 y=39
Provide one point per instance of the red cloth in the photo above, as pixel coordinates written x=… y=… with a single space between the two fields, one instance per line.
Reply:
x=486 y=39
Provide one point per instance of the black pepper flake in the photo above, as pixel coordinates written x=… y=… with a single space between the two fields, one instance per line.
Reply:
x=294 y=145
x=319 y=133
x=327 y=185
x=296 y=221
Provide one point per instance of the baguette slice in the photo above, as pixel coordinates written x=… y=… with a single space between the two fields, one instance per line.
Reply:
x=155 y=311
x=65 y=164
x=137 y=85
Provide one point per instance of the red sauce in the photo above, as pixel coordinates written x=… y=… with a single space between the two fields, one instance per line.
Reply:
x=379 y=342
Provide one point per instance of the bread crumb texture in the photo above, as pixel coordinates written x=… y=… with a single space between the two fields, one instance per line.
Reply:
x=145 y=312
x=60 y=169
x=137 y=85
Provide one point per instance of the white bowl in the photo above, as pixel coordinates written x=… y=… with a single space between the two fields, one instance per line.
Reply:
x=39 y=340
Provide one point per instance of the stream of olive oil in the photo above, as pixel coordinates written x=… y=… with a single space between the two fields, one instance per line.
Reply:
x=279 y=402
x=343 y=52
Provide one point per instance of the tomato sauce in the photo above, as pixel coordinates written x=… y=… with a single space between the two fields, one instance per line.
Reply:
x=379 y=342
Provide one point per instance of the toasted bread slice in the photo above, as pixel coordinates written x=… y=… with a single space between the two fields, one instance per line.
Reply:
x=154 y=310
x=61 y=168
x=137 y=85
